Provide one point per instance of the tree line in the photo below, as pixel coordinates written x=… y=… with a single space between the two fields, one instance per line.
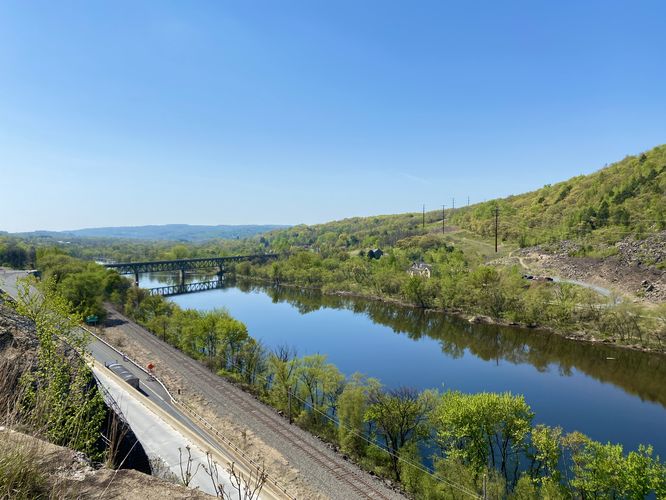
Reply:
x=436 y=445
x=458 y=283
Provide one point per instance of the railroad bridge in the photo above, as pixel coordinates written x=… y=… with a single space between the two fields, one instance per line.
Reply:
x=182 y=265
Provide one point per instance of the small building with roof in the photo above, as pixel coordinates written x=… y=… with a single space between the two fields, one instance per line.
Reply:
x=420 y=269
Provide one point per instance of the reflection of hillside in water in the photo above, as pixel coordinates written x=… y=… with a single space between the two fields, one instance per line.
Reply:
x=638 y=373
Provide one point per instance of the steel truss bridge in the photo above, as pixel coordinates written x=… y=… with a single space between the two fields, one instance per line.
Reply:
x=182 y=265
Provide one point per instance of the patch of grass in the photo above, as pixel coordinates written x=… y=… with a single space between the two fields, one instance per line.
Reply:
x=474 y=244
x=20 y=475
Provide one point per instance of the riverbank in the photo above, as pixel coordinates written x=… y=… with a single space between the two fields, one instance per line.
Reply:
x=288 y=452
x=576 y=336
x=495 y=363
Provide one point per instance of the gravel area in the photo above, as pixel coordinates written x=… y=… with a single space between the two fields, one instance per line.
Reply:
x=305 y=465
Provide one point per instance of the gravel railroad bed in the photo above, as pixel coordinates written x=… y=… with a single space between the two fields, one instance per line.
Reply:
x=323 y=470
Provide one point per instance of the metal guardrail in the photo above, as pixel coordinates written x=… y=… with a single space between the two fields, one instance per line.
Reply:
x=229 y=443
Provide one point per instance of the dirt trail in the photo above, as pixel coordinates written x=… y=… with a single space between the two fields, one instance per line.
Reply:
x=633 y=270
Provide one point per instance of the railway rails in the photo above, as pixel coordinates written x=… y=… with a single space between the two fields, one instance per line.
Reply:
x=342 y=475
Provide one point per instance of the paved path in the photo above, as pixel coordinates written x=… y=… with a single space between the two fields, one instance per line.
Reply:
x=323 y=470
x=157 y=437
x=151 y=412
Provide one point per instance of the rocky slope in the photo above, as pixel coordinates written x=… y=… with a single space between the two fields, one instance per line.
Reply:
x=57 y=472
x=63 y=473
x=635 y=269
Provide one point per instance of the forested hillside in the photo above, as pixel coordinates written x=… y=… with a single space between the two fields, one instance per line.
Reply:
x=628 y=197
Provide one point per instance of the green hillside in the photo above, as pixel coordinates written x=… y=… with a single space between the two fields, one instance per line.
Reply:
x=628 y=197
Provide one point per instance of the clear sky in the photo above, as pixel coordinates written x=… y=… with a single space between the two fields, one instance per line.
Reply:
x=130 y=113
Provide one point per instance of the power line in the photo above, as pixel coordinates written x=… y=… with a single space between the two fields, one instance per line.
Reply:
x=379 y=447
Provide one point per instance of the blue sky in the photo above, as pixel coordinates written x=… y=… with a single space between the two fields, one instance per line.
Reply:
x=130 y=113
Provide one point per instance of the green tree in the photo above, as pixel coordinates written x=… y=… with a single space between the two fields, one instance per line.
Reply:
x=352 y=405
x=398 y=415
x=602 y=471
x=283 y=368
x=485 y=429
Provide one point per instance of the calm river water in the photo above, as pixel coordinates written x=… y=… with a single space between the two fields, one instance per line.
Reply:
x=573 y=385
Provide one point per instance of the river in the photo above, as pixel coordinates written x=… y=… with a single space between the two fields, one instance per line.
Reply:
x=610 y=394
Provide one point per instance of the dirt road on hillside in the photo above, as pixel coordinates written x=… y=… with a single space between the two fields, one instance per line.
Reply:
x=634 y=270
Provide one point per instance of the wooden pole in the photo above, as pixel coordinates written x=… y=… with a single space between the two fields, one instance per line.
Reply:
x=496 y=226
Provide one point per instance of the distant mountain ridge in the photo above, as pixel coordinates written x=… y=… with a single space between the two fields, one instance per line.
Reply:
x=168 y=232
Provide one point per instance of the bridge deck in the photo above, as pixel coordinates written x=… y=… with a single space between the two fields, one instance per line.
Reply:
x=184 y=264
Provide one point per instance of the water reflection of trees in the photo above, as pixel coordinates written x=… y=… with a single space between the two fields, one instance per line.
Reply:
x=638 y=373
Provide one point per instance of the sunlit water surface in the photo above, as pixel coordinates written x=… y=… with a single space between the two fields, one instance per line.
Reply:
x=573 y=385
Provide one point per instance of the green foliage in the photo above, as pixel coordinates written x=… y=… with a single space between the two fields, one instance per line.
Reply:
x=546 y=445
x=320 y=385
x=483 y=430
x=85 y=285
x=602 y=471
x=16 y=254
x=352 y=406
x=626 y=197
x=60 y=398
x=21 y=477
x=399 y=416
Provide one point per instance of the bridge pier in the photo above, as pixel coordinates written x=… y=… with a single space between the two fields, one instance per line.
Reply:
x=182 y=265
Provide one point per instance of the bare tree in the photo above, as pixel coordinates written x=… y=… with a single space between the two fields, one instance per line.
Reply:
x=186 y=474
x=244 y=486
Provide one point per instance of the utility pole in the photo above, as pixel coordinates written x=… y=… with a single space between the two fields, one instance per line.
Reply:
x=468 y=201
x=496 y=225
x=290 y=419
x=453 y=204
x=442 y=219
x=424 y=216
x=484 y=489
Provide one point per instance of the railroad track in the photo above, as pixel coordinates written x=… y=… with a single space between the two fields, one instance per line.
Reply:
x=192 y=370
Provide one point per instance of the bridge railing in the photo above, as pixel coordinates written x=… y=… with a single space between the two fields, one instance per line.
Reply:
x=184 y=264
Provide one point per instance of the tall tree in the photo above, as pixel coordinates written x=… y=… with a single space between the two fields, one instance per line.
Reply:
x=399 y=416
